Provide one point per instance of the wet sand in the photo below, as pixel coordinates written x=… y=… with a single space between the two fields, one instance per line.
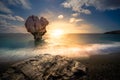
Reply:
x=103 y=67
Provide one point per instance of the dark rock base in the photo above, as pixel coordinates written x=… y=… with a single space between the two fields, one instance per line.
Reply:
x=46 y=67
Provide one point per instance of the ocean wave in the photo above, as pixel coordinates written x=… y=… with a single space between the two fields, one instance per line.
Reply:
x=7 y=55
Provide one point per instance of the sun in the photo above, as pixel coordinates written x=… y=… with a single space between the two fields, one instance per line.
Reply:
x=57 y=32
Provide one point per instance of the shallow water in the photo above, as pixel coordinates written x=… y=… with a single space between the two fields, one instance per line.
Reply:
x=14 y=47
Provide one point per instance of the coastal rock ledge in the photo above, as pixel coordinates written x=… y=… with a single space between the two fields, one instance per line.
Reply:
x=46 y=67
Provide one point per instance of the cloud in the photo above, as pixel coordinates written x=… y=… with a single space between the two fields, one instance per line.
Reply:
x=4 y=9
x=74 y=20
x=75 y=14
x=18 y=18
x=10 y=17
x=22 y=3
x=12 y=29
x=105 y=4
x=66 y=4
x=78 y=5
x=7 y=27
x=25 y=4
x=4 y=23
x=86 y=11
x=60 y=17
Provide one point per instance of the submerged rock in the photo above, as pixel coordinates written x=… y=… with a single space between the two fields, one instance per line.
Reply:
x=36 y=26
x=46 y=67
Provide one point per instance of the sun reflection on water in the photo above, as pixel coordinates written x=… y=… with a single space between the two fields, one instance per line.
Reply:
x=71 y=46
x=60 y=44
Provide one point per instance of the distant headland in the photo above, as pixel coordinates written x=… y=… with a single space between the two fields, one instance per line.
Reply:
x=113 y=32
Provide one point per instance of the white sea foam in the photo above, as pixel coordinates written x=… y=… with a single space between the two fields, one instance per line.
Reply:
x=7 y=55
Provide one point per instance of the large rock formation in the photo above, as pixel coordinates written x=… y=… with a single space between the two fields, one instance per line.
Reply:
x=36 y=26
x=46 y=67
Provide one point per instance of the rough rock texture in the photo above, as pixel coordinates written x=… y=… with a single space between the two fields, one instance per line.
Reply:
x=36 y=26
x=46 y=67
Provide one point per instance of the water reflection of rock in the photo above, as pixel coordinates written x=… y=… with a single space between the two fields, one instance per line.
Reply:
x=46 y=67
x=39 y=43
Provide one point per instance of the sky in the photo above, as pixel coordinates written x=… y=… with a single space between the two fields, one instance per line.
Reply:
x=70 y=16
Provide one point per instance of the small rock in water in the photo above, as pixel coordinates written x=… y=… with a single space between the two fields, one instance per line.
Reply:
x=46 y=67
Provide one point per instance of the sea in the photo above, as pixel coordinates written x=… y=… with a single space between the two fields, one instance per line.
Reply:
x=16 y=46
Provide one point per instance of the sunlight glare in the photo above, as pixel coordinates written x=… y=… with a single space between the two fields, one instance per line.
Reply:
x=57 y=33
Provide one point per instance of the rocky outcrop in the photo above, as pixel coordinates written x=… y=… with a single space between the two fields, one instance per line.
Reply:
x=36 y=26
x=46 y=67
x=113 y=32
